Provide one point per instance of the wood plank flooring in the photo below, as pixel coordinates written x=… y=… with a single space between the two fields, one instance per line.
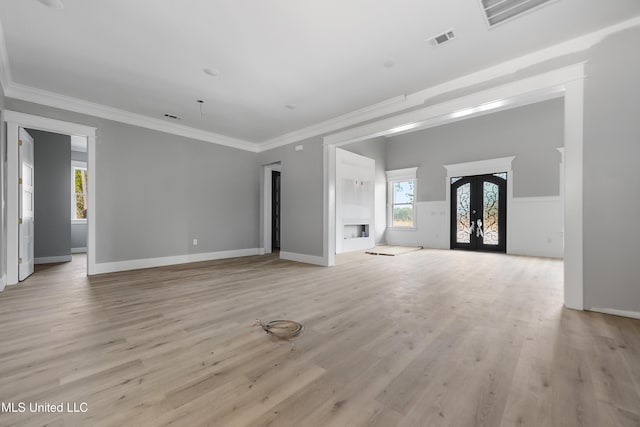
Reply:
x=428 y=338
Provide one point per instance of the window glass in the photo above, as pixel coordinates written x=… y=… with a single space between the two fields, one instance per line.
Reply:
x=403 y=203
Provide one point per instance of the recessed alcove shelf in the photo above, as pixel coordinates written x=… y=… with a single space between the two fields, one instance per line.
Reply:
x=355 y=176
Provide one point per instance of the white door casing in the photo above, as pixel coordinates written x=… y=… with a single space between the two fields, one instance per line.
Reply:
x=25 y=205
x=14 y=121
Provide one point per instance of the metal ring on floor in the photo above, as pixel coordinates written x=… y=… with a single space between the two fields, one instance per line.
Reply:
x=282 y=329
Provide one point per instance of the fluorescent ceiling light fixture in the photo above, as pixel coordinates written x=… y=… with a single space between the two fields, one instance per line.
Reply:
x=55 y=4
x=462 y=113
x=479 y=109
x=492 y=105
x=402 y=128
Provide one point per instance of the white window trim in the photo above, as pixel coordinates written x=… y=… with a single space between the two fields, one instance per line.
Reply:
x=407 y=174
x=75 y=164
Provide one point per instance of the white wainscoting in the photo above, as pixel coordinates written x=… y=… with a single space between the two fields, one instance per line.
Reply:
x=534 y=227
x=432 y=228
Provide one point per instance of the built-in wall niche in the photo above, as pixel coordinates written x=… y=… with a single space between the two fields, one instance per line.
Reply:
x=355 y=231
x=355 y=175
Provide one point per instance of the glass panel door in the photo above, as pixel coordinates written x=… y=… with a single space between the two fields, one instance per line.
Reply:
x=478 y=212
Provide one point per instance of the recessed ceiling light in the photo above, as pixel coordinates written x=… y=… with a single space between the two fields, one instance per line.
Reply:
x=211 y=72
x=290 y=106
x=55 y=4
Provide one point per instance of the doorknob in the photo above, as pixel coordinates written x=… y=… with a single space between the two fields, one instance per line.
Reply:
x=479 y=232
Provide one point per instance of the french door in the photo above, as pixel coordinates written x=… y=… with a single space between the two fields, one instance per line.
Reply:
x=479 y=212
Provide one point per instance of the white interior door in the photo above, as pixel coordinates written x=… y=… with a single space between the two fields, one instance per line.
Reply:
x=25 y=205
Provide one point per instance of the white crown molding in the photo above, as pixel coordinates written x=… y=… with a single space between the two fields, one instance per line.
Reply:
x=373 y=111
x=497 y=98
x=503 y=69
x=402 y=174
x=390 y=106
x=51 y=99
x=48 y=125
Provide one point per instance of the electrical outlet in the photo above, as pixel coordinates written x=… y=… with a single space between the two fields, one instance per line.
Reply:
x=195 y=242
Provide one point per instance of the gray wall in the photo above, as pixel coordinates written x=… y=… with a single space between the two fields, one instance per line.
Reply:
x=52 y=194
x=301 y=200
x=376 y=149
x=612 y=174
x=79 y=156
x=612 y=181
x=531 y=133
x=78 y=236
x=156 y=191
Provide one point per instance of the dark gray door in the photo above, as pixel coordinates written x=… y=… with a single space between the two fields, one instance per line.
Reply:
x=275 y=210
x=479 y=212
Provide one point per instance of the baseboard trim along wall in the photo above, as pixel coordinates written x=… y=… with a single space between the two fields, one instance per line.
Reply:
x=623 y=313
x=137 y=264
x=307 y=259
x=3 y=282
x=78 y=250
x=52 y=259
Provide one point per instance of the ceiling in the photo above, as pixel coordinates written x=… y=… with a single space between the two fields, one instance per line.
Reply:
x=325 y=58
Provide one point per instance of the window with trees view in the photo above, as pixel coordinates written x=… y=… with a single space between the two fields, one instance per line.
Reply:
x=79 y=193
x=403 y=203
x=401 y=198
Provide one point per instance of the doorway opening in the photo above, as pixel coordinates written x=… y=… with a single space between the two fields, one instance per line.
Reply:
x=566 y=83
x=52 y=189
x=271 y=218
x=479 y=212
x=275 y=210
x=22 y=192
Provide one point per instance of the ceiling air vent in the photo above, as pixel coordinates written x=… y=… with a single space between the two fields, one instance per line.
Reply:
x=498 y=11
x=172 y=116
x=442 y=38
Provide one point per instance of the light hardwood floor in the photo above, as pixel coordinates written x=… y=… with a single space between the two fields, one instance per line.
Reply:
x=429 y=338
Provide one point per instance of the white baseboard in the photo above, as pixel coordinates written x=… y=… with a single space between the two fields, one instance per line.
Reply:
x=623 y=313
x=307 y=259
x=3 y=282
x=78 y=250
x=52 y=259
x=136 y=264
